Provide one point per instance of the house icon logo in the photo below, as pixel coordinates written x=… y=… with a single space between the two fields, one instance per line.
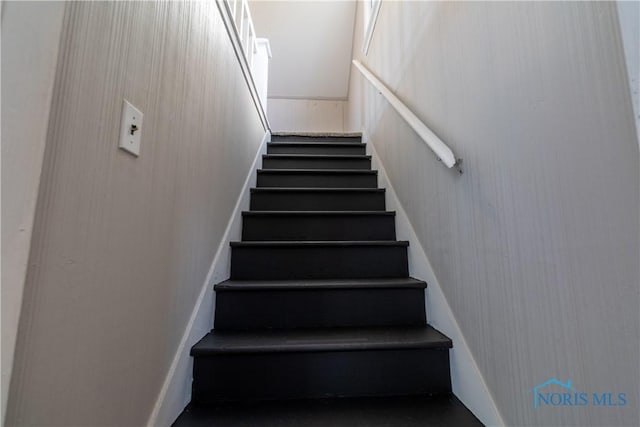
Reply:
x=536 y=389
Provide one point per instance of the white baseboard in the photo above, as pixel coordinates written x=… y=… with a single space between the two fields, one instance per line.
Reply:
x=176 y=389
x=466 y=379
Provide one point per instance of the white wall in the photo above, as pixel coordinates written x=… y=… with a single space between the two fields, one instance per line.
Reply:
x=307 y=115
x=122 y=245
x=260 y=69
x=311 y=46
x=309 y=72
x=30 y=40
x=536 y=245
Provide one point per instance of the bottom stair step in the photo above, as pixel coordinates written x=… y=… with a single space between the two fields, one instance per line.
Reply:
x=405 y=411
x=319 y=363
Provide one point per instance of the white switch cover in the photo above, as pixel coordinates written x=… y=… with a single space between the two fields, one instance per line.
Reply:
x=130 y=128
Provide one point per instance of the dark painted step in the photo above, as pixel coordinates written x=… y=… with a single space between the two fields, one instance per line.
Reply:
x=316 y=138
x=404 y=411
x=317 y=199
x=315 y=161
x=319 y=303
x=316 y=148
x=314 y=363
x=318 y=225
x=318 y=260
x=318 y=178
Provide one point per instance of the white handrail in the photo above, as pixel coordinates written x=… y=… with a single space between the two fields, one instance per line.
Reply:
x=441 y=150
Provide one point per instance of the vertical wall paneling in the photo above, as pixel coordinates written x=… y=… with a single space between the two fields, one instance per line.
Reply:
x=536 y=244
x=122 y=245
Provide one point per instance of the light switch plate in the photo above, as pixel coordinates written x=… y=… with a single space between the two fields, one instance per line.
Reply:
x=130 y=128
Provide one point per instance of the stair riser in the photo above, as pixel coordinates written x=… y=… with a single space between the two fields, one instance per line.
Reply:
x=318 y=262
x=307 y=180
x=332 y=139
x=346 y=149
x=285 y=309
x=320 y=374
x=317 y=201
x=318 y=227
x=313 y=163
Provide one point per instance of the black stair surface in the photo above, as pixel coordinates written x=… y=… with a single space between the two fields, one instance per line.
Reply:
x=405 y=411
x=317 y=138
x=315 y=161
x=320 y=260
x=320 y=340
x=320 y=323
x=320 y=363
x=317 y=199
x=318 y=178
x=316 y=148
x=318 y=225
x=319 y=303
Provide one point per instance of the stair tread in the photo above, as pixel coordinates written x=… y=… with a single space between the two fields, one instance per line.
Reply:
x=319 y=171
x=320 y=339
x=314 y=189
x=322 y=213
x=342 y=243
x=318 y=156
x=406 y=411
x=249 y=285
x=311 y=134
x=316 y=144
x=314 y=136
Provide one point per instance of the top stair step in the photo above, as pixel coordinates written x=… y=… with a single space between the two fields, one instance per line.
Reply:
x=317 y=138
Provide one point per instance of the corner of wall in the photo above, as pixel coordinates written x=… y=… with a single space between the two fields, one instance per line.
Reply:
x=175 y=393
x=466 y=379
x=28 y=81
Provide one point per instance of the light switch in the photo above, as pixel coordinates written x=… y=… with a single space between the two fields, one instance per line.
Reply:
x=130 y=128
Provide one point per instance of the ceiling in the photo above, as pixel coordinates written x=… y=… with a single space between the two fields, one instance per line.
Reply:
x=311 y=45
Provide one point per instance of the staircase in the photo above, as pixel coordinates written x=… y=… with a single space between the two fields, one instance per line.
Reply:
x=320 y=323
